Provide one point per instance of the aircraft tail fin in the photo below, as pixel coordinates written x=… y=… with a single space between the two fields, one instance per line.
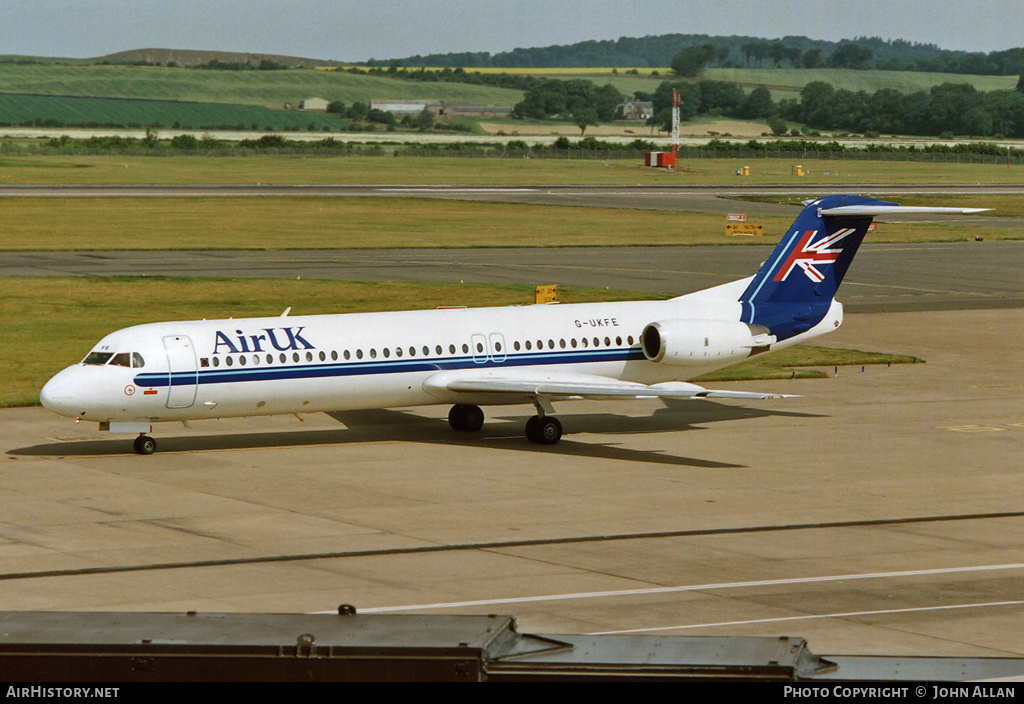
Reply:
x=794 y=288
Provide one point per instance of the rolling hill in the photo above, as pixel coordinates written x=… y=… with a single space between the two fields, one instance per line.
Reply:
x=264 y=88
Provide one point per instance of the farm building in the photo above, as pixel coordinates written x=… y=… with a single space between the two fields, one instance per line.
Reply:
x=314 y=104
x=634 y=110
x=439 y=107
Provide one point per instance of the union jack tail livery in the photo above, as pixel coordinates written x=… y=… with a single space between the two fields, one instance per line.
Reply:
x=794 y=289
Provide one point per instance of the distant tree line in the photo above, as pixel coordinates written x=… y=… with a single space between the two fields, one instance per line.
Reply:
x=452 y=75
x=264 y=65
x=740 y=51
x=944 y=110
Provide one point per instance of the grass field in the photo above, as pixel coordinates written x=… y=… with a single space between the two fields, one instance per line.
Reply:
x=17 y=109
x=56 y=321
x=278 y=87
x=441 y=170
x=338 y=223
x=264 y=88
x=40 y=224
x=793 y=80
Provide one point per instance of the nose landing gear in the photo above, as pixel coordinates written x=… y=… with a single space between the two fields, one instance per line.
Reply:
x=144 y=445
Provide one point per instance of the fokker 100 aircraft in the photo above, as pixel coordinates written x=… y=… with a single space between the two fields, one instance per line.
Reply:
x=182 y=371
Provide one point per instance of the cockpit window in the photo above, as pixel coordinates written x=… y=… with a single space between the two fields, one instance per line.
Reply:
x=97 y=358
x=121 y=359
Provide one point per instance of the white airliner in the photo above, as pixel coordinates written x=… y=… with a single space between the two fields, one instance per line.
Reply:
x=183 y=371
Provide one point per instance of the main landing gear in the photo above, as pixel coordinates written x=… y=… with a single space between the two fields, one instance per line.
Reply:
x=144 y=445
x=543 y=430
x=540 y=429
x=466 y=418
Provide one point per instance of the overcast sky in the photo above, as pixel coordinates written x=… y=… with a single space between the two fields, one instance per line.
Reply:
x=347 y=30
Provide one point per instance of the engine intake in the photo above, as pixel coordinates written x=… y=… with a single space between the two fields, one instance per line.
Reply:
x=702 y=342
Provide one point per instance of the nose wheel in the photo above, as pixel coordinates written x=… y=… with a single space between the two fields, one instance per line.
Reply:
x=145 y=445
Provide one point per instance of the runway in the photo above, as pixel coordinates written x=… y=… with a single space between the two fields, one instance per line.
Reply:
x=879 y=513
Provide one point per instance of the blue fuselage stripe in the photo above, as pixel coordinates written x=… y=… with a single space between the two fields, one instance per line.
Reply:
x=224 y=375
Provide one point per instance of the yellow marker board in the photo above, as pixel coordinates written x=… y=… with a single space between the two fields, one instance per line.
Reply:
x=546 y=294
x=744 y=228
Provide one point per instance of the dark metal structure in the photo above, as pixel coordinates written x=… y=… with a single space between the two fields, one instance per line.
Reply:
x=40 y=647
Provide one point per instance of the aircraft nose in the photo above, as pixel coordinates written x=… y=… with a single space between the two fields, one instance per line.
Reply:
x=61 y=394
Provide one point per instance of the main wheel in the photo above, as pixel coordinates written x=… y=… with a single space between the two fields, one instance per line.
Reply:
x=467 y=418
x=472 y=418
x=455 y=417
x=543 y=431
x=145 y=445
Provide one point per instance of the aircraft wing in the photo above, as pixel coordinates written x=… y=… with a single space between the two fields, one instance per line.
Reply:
x=449 y=386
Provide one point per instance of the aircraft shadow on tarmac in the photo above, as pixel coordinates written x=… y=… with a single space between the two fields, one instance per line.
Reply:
x=402 y=426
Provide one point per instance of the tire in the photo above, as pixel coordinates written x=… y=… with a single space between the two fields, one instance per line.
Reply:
x=543 y=431
x=533 y=429
x=466 y=418
x=455 y=417
x=145 y=445
x=472 y=418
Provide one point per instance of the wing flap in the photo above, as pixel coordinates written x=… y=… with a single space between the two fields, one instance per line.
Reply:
x=574 y=386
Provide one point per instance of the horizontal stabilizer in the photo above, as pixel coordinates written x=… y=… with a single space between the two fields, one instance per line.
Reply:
x=874 y=210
